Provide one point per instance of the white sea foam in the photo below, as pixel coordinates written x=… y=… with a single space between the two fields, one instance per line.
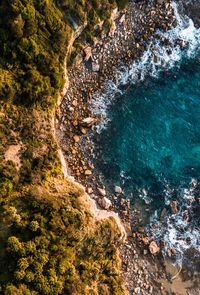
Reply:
x=182 y=42
x=180 y=230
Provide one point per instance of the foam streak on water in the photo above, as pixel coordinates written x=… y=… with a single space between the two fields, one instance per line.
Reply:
x=181 y=42
x=180 y=230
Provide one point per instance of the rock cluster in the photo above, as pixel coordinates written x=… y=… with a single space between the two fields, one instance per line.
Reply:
x=126 y=41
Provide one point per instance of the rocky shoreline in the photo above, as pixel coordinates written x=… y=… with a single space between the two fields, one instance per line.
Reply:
x=142 y=263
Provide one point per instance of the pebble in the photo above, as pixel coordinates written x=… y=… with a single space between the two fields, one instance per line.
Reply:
x=88 y=172
x=76 y=138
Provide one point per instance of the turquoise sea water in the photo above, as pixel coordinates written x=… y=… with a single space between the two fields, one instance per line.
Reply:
x=151 y=148
x=153 y=136
x=150 y=145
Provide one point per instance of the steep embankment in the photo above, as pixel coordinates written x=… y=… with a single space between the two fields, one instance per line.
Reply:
x=50 y=242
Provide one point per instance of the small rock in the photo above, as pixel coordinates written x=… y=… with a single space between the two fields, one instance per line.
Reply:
x=88 y=172
x=95 y=67
x=163 y=214
x=83 y=130
x=173 y=205
x=88 y=122
x=137 y=290
x=150 y=290
x=160 y=1
x=88 y=53
x=145 y=252
x=173 y=250
x=145 y=240
x=141 y=229
x=101 y=191
x=105 y=203
x=118 y=189
x=153 y=248
x=76 y=138
x=114 y=14
x=162 y=244
x=122 y=19
x=74 y=103
x=89 y=190
x=169 y=253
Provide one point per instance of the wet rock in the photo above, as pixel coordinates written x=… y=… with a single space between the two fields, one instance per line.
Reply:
x=169 y=253
x=173 y=250
x=173 y=205
x=162 y=244
x=163 y=214
x=118 y=190
x=192 y=9
x=153 y=248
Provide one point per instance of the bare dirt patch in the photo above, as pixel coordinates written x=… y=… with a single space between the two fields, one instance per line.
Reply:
x=13 y=154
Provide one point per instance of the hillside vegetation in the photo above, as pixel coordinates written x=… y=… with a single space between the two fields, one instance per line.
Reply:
x=49 y=242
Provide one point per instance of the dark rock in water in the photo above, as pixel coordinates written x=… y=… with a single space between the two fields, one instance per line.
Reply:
x=173 y=205
x=192 y=9
x=163 y=214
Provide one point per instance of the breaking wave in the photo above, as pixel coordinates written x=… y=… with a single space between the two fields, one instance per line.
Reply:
x=165 y=51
